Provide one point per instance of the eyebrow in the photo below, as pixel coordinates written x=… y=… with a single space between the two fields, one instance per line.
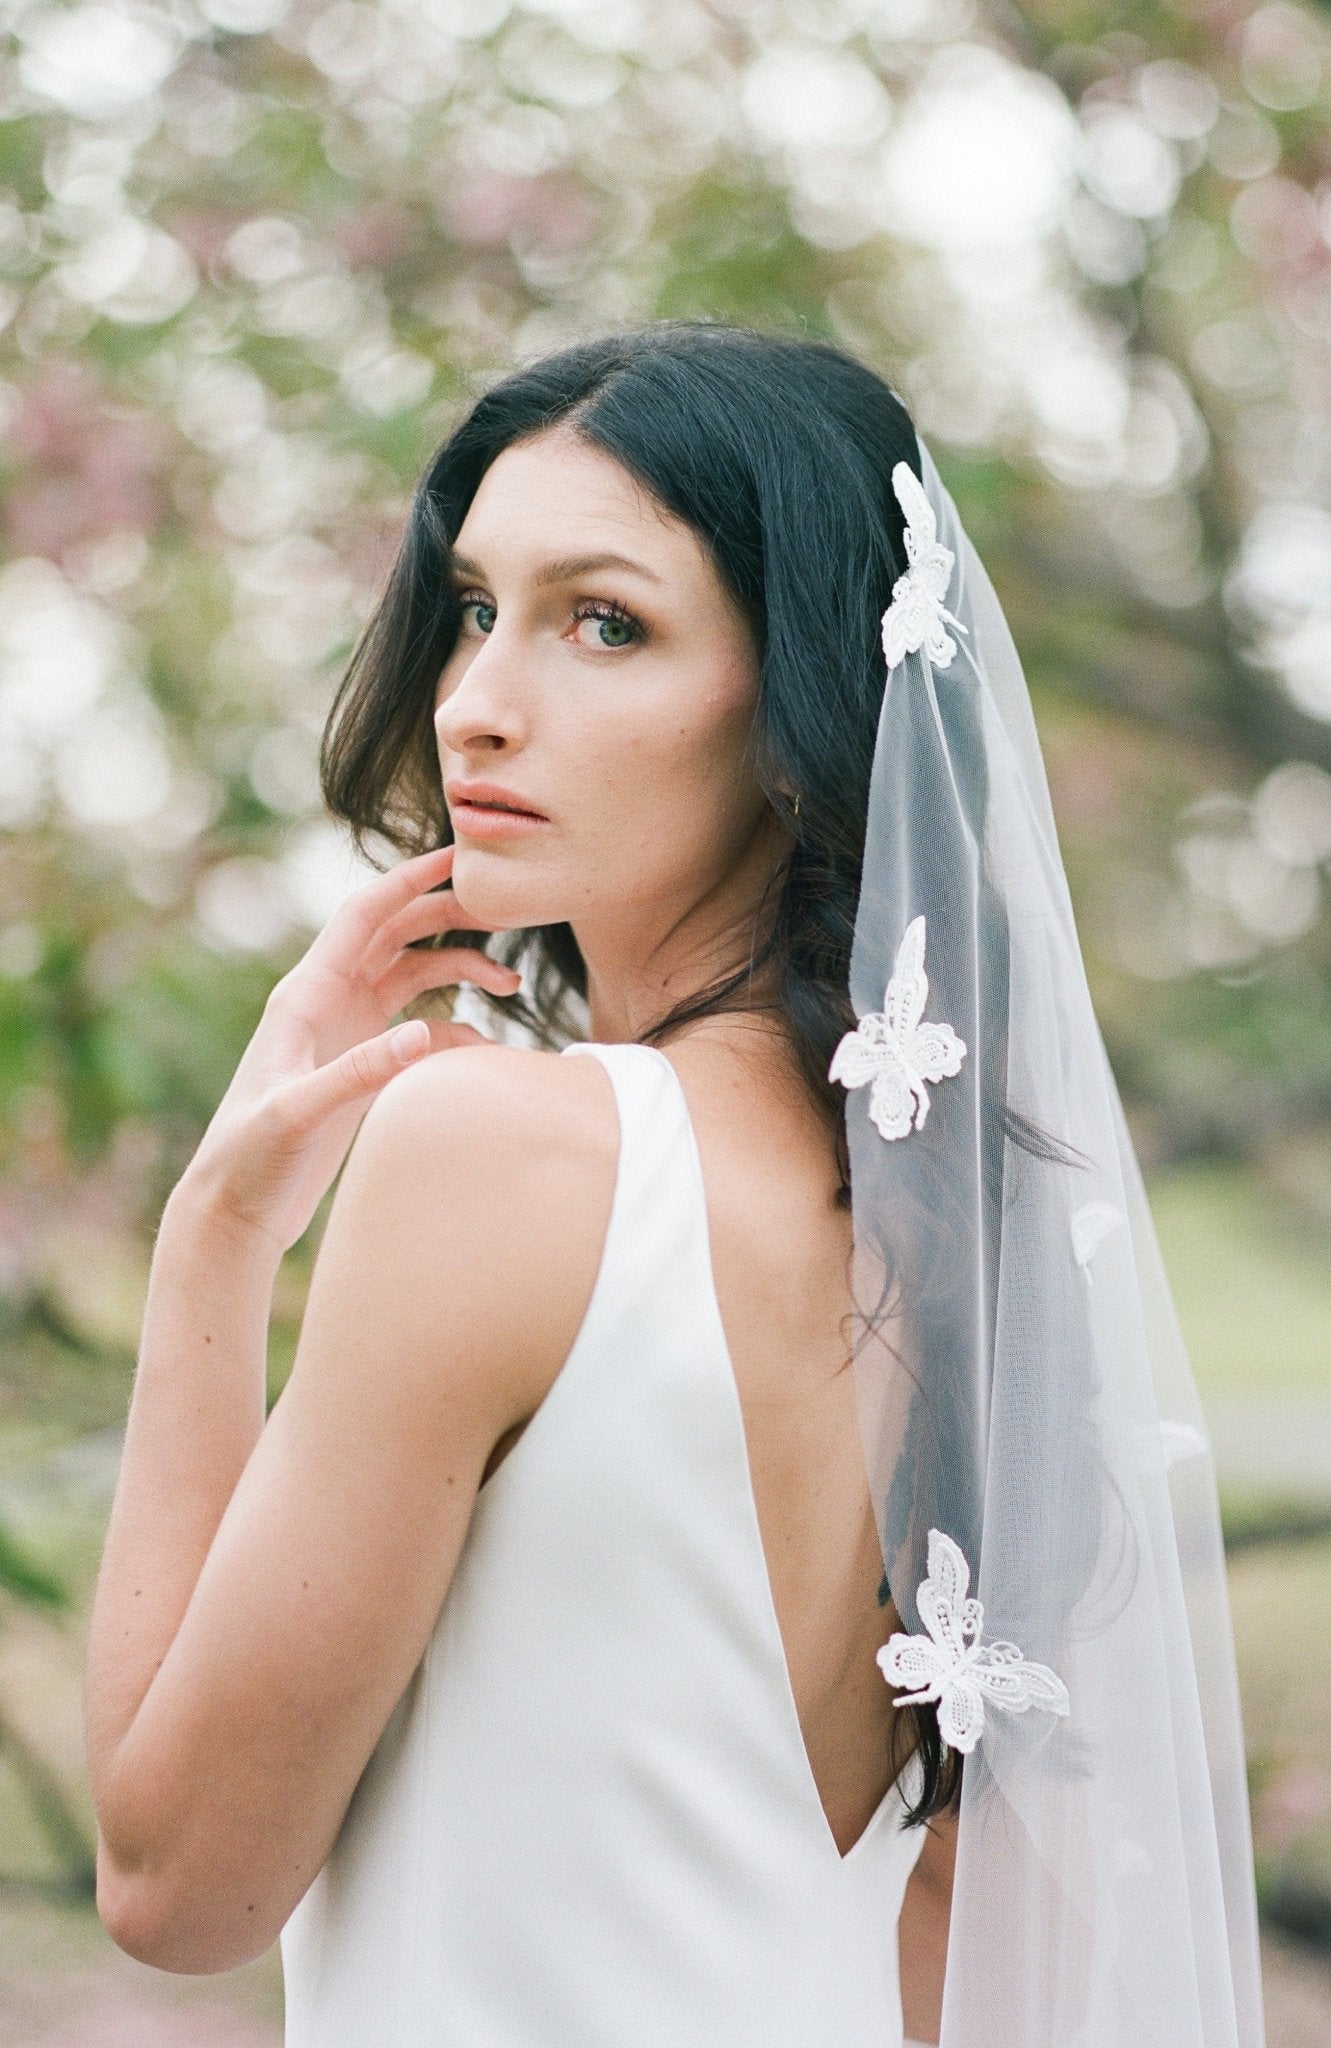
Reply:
x=565 y=567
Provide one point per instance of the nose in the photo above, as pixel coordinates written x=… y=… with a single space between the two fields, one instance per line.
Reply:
x=479 y=709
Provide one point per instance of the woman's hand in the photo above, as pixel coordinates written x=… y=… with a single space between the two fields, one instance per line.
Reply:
x=323 y=1050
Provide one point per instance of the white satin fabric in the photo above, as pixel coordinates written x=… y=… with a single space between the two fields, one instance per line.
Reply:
x=591 y=1819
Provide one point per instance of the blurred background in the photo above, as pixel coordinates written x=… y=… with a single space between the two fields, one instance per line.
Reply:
x=255 y=255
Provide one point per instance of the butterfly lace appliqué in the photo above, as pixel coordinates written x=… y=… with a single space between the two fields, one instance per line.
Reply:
x=954 y=1666
x=1092 y=1222
x=894 y=1051
x=915 y=618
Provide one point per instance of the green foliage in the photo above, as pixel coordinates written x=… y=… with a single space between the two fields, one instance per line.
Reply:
x=243 y=305
x=24 y=1580
x=733 y=255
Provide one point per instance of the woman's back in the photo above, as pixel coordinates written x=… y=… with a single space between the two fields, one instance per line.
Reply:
x=594 y=1816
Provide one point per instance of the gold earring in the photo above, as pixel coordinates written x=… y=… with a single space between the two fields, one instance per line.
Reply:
x=797 y=806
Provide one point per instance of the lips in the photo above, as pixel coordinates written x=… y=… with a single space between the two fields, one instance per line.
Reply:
x=489 y=797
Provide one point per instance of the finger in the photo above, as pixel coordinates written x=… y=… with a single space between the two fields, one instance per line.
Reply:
x=462 y=920
x=441 y=968
x=444 y=1034
x=356 y=1076
x=356 y=921
x=436 y=912
x=429 y=881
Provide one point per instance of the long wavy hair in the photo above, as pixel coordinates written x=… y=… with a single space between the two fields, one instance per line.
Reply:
x=779 y=455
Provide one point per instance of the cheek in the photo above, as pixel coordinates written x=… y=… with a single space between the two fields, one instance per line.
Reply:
x=713 y=741
x=672 y=762
x=684 y=778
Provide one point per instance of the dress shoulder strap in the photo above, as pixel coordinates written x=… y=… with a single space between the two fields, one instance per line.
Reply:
x=652 y=1231
x=645 y=1095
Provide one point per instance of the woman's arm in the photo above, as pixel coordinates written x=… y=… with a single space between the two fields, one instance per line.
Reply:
x=211 y=1502
x=285 y=1616
x=319 y=1055
x=195 y=1417
x=923 y=1932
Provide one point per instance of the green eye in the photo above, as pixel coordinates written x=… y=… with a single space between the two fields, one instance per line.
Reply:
x=478 y=615
x=614 y=627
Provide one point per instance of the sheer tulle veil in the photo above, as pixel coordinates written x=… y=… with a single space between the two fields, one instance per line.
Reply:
x=1036 y=1450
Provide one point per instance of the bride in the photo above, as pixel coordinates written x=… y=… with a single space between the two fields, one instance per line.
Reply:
x=532 y=1669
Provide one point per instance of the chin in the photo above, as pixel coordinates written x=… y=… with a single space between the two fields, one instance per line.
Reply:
x=497 y=893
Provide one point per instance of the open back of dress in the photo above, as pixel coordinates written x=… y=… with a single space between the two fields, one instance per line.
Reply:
x=591 y=1820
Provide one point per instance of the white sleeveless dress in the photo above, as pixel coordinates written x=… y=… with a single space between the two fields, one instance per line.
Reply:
x=591 y=1821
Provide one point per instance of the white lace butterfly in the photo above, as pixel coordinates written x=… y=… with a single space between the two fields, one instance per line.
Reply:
x=896 y=1052
x=954 y=1665
x=915 y=616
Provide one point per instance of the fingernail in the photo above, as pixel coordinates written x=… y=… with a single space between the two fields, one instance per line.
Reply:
x=409 y=1041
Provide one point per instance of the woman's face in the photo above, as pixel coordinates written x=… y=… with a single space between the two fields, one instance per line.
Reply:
x=604 y=678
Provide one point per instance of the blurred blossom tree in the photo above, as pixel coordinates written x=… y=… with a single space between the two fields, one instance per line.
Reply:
x=254 y=255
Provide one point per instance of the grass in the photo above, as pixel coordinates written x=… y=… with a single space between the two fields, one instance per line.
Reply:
x=1280 y=1599
x=1251 y=1276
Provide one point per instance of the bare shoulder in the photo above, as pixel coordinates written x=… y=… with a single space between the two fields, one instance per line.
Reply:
x=498 y=1119
x=472 y=1213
